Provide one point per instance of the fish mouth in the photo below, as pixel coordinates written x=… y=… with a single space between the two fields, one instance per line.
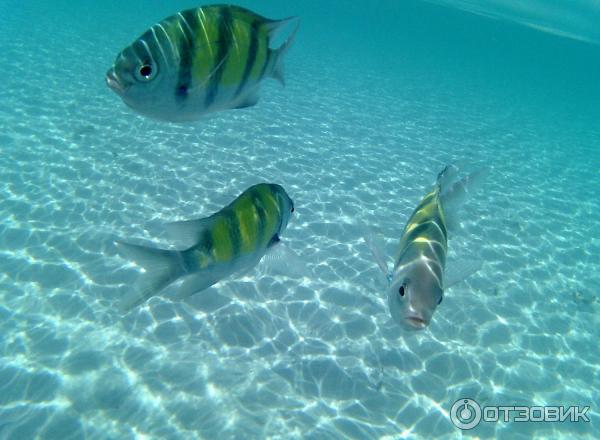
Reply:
x=415 y=322
x=112 y=80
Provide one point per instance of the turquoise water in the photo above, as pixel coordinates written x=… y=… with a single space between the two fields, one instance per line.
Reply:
x=377 y=101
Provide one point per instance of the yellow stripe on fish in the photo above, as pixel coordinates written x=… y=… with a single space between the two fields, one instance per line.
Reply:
x=222 y=246
x=248 y=221
x=205 y=42
x=238 y=53
x=425 y=235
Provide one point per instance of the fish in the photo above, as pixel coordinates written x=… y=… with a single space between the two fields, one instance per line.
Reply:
x=231 y=240
x=417 y=282
x=200 y=61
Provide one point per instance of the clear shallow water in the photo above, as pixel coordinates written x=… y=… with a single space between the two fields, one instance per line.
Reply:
x=366 y=121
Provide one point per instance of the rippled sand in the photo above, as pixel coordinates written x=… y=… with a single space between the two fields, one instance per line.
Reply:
x=276 y=356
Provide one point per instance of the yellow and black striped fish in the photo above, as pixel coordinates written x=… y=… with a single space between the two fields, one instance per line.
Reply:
x=233 y=239
x=417 y=286
x=199 y=61
x=418 y=279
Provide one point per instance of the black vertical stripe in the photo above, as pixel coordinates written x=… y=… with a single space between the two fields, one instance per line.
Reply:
x=190 y=259
x=186 y=45
x=204 y=247
x=224 y=20
x=234 y=233
x=252 y=49
x=206 y=242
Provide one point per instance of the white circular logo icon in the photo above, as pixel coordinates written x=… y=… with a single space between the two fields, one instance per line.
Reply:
x=465 y=414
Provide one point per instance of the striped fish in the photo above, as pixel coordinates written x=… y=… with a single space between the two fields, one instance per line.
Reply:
x=231 y=240
x=199 y=61
x=419 y=277
x=417 y=282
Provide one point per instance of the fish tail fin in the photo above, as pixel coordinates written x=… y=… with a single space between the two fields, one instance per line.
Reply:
x=275 y=27
x=454 y=192
x=160 y=267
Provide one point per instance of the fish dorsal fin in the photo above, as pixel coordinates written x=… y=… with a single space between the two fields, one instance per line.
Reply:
x=188 y=232
x=454 y=193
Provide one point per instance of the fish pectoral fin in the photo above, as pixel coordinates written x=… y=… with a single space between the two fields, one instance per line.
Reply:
x=249 y=101
x=281 y=260
x=274 y=240
x=460 y=270
x=188 y=232
x=376 y=244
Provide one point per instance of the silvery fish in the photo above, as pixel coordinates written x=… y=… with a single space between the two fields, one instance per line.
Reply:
x=419 y=277
x=231 y=240
x=199 y=61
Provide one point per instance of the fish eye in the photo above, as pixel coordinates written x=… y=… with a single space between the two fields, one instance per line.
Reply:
x=145 y=72
x=401 y=290
x=292 y=210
